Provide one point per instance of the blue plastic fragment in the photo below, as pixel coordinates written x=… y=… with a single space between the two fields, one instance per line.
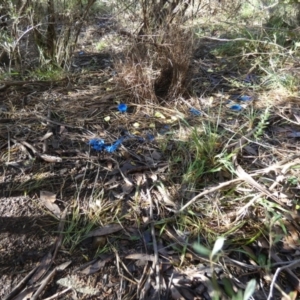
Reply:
x=122 y=107
x=164 y=130
x=236 y=107
x=81 y=52
x=99 y=145
x=294 y=134
x=150 y=137
x=114 y=146
x=195 y=112
x=245 y=98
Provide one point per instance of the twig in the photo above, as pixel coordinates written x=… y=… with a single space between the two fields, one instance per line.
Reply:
x=43 y=285
x=20 y=286
x=287 y=267
x=55 y=296
x=48 y=279
x=59 y=239
x=243 y=40
x=251 y=202
x=208 y=191
x=155 y=250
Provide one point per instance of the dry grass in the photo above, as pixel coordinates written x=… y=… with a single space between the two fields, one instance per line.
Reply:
x=155 y=68
x=148 y=216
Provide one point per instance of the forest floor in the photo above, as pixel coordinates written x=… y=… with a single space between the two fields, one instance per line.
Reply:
x=220 y=161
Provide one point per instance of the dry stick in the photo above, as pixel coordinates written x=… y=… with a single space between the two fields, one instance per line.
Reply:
x=48 y=278
x=208 y=191
x=242 y=39
x=43 y=285
x=122 y=276
x=61 y=226
x=224 y=184
x=20 y=286
x=49 y=132
x=239 y=144
x=251 y=202
x=155 y=250
x=139 y=293
x=246 y=177
x=55 y=296
x=54 y=250
x=287 y=268
x=289 y=120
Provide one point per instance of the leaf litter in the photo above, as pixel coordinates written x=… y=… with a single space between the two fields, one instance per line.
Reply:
x=135 y=170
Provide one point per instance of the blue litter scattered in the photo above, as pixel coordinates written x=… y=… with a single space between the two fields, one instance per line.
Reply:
x=245 y=98
x=164 y=130
x=81 y=52
x=122 y=107
x=294 y=134
x=195 y=112
x=99 y=145
x=236 y=107
x=114 y=146
x=150 y=137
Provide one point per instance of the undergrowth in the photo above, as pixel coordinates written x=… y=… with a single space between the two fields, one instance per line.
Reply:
x=201 y=175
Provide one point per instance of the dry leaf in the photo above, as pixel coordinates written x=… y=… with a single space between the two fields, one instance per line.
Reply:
x=47 y=196
x=42 y=268
x=48 y=200
x=49 y=158
x=73 y=281
x=127 y=188
x=175 y=294
x=96 y=266
x=156 y=155
x=105 y=230
x=141 y=256
x=46 y=136
x=26 y=294
x=250 y=150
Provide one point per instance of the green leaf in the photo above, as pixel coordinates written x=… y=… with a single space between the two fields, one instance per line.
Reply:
x=228 y=287
x=201 y=249
x=250 y=288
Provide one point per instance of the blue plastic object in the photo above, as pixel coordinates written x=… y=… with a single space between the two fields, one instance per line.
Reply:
x=114 y=146
x=97 y=144
x=245 y=98
x=236 y=107
x=100 y=145
x=195 y=112
x=150 y=137
x=122 y=107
